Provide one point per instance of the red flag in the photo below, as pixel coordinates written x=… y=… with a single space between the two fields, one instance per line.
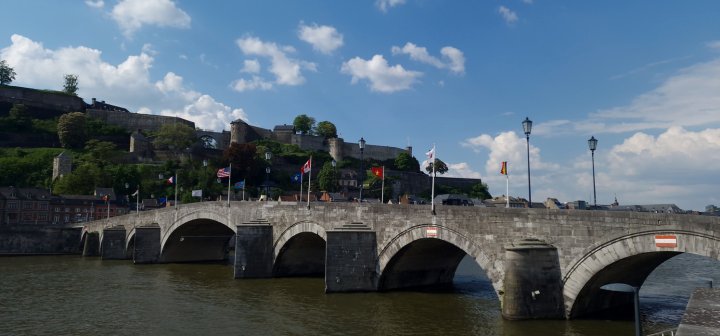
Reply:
x=171 y=180
x=223 y=172
x=378 y=171
x=307 y=166
x=105 y=198
x=503 y=169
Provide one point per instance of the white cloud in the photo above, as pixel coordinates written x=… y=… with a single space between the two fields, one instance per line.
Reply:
x=713 y=45
x=324 y=39
x=287 y=71
x=382 y=77
x=453 y=57
x=126 y=84
x=131 y=15
x=508 y=15
x=384 y=5
x=95 y=3
x=251 y=66
x=462 y=169
x=208 y=113
x=256 y=83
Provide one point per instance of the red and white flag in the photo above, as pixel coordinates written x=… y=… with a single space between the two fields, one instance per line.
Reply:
x=307 y=166
x=666 y=241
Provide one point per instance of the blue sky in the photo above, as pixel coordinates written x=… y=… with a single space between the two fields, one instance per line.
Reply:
x=643 y=77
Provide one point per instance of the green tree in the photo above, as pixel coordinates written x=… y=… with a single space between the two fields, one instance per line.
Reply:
x=20 y=117
x=442 y=168
x=175 y=137
x=479 y=191
x=7 y=74
x=81 y=181
x=304 y=124
x=98 y=152
x=326 y=129
x=245 y=161
x=71 y=84
x=71 y=130
x=328 y=178
x=406 y=162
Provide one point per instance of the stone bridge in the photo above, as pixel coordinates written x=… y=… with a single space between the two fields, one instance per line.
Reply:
x=542 y=263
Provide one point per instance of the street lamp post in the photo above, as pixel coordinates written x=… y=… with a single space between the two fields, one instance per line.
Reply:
x=592 y=143
x=625 y=288
x=268 y=157
x=527 y=127
x=362 y=167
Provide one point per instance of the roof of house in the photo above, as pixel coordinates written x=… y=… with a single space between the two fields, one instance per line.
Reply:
x=31 y=193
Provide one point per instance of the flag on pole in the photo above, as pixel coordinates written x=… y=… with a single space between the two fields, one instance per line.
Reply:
x=296 y=178
x=307 y=166
x=171 y=180
x=136 y=192
x=431 y=155
x=197 y=193
x=240 y=185
x=431 y=160
x=106 y=198
x=503 y=169
x=223 y=172
x=379 y=172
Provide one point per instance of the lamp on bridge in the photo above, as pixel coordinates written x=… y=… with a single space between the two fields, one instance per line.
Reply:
x=625 y=288
x=592 y=143
x=527 y=127
x=268 y=157
x=362 y=167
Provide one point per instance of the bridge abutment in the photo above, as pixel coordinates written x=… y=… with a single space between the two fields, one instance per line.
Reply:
x=113 y=243
x=91 y=248
x=147 y=245
x=350 y=261
x=253 y=251
x=533 y=284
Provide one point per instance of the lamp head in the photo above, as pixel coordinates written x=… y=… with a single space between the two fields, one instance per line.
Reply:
x=527 y=126
x=592 y=143
x=361 y=143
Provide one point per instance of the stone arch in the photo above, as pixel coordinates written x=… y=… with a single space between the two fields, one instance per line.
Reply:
x=299 y=250
x=195 y=215
x=209 y=142
x=627 y=251
x=446 y=234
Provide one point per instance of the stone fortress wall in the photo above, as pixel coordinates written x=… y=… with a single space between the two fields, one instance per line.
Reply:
x=42 y=99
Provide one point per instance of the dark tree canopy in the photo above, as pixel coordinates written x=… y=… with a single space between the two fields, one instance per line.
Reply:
x=406 y=162
x=326 y=129
x=442 y=168
x=71 y=130
x=328 y=178
x=480 y=191
x=71 y=84
x=304 y=124
x=244 y=159
x=175 y=137
x=7 y=74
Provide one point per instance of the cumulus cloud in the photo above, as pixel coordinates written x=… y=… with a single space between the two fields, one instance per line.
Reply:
x=462 y=169
x=287 y=71
x=382 y=77
x=324 y=39
x=131 y=15
x=256 y=83
x=453 y=58
x=127 y=84
x=384 y=5
x=251 y=66
x=508 y=15
x=95 y=3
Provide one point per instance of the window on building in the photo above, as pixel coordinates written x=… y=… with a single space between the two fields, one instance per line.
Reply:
x=27 y=205
x=56 y=219
x=67 y=209
x=12 y=205
x=57 y=209
x=27 y=217
x=67 y=218
x=43 y=206
x=77 y=210
x=42 y=217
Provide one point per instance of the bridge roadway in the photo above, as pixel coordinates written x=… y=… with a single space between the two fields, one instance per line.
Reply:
x=542 y=263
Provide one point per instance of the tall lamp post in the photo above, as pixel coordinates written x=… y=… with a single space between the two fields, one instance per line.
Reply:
x=592 y=143
x=527 y=127
x=625 y=288
x=362 y=167
x=268 y=157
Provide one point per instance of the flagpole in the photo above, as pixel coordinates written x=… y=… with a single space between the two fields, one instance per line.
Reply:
x=302 y=173
x=507 y=189
x=432 y=189
x=243 y=189
x=309 y=182
x=229 y=179
x=137 y=201
x=382 y=191
x=176 y=184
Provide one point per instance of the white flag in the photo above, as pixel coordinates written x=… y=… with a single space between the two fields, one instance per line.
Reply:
x=431 y=154
x=197 y=193
x=136 y=192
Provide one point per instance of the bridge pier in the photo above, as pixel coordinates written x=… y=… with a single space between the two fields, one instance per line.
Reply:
x=147 y=245
x=350 y=260
x=113 y=243
x=91 y=248
x=533 y=284
x=254 y=251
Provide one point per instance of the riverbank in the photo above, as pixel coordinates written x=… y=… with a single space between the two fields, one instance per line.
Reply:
x=702 y=316
x=39 y=240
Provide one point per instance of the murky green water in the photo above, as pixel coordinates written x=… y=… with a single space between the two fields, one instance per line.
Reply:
x=71 y=295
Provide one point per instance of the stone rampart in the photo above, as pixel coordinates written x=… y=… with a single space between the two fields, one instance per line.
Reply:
x=136 y=121
x=41 y=99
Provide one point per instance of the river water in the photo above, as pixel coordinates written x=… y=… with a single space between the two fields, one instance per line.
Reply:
x=72 y=295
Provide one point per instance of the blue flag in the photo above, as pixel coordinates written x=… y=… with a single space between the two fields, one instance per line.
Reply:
x=162 y=201
x=295 y=178
x=240 y=185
